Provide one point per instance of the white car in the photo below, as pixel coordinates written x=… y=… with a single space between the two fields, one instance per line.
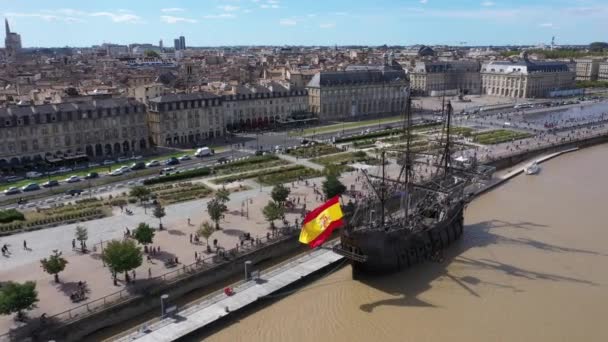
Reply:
x=108 y=162
x=64 y=169
x=123 y=159
x=124 y=169
x=153 y=163
x=72 y=179
x=117 y=172
x=184 y=157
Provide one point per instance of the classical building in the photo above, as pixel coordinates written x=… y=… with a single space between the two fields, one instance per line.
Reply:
x=252 y=106
x=185 y=119
x=57 y=132
x=525 y=79
x=358 y=91
x=587 y=69
x=449 y=77
x=602 y=74
x=12 y=42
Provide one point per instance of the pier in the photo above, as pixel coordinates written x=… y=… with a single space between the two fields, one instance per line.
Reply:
x=216 y=306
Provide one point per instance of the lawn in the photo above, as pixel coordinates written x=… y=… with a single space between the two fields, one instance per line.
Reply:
x=278 y=175
x=257 y=163
x=499 y=136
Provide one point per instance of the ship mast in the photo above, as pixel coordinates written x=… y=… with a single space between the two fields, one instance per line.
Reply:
x=447 y=140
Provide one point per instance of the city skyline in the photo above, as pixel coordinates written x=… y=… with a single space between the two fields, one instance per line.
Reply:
x=288 y=22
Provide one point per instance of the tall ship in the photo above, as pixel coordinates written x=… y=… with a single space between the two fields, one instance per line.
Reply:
x=411 y=213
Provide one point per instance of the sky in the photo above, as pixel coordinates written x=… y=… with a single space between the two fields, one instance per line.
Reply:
x=58 y=23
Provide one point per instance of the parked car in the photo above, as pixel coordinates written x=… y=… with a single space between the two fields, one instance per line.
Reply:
x=93 y=164
x=203 y=152
x=123 y=159
x=73 y=192
x=117 y=172
x=137 y=157
x=12 y=190
x=124 y=169
x=171 y=161
x=185 y=157
x=92 y=175
x=72 y=179
x=153 y=163
x=31 y=187
x=33 y=174
x=138 y=166
x=50 y=184
x=222 y=160
x=108 y=162
x=167 y=170
x=64 y=169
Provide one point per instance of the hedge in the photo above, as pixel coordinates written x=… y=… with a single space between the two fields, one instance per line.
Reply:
x=205 y=171
x=10 y=215
x=82 y=215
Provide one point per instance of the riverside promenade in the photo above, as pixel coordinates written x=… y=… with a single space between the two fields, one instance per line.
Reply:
x=219 y=305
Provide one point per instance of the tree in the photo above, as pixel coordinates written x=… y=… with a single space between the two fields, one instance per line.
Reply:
x=598 y=46
x=82 y=235
x=122 y=256
x=333 y=187
x=151 y=54
x=279 y=194
x=216 y=209
x=15 y=297
x=273 y=211
x=333 y=170
x=141 y=192
x=54 y=264
x=143 y=234
x=205 y=231
x=223 y=195
x=159 y=213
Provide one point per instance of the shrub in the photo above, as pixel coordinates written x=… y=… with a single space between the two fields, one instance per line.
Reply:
x=10 y=215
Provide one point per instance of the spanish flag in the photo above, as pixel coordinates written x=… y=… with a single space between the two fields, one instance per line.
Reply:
x=320 y=223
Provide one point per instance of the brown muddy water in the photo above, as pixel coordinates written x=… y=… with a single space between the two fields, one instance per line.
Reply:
x=531 y=266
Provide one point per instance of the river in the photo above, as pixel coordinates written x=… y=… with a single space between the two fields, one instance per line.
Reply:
x=531 y=266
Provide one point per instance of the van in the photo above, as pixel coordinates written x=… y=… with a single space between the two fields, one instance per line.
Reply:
x=203 y=152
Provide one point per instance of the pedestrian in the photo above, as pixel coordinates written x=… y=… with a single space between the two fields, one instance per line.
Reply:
x=133 y=273
x=149 y=272
x=24 y=244
x=188 y=221
x=73 y=243
x=190 y=238
x=149 y=258
x=195 y=255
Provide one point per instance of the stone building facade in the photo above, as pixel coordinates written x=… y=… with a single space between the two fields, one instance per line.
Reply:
x=525 y=79
x=94 y=129
x=185 y=119
x=358 y=91
x=602 y=74
x=451 y=77
x=256 y=106
x=587 y=69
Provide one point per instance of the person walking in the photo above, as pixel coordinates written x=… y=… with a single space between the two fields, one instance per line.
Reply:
x=24 y=244
x=133 y=274
x=149 y=272
x=73 y=243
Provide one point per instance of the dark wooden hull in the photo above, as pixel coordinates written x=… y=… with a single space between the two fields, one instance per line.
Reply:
x=394 y=250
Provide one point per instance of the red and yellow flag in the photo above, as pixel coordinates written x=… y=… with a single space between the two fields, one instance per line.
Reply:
x=321 y=222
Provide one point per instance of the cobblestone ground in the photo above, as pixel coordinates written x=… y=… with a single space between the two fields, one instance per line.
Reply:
x=174 y=241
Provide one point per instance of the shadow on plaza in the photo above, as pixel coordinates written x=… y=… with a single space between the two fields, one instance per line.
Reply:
x=233 y=232
x=409 y=285
x=176 y=232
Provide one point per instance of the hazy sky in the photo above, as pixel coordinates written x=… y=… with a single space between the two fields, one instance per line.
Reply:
x=307 y=22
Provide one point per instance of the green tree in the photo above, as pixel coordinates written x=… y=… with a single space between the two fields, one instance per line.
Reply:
x=151 y=54
x=205 y=230
x=144 y=234
x=333 y=187
x=82 y=235
x=223 y=195
x=159 y=213
x=216 y=209
x=15 y=297
x=333 y=170
x=279 y=194
x=54 y=264
x=122 y=256
x=598 y=46
x=140 y=192
x=273 y=211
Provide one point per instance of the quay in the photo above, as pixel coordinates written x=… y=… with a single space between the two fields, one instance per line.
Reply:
x=219 y=305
